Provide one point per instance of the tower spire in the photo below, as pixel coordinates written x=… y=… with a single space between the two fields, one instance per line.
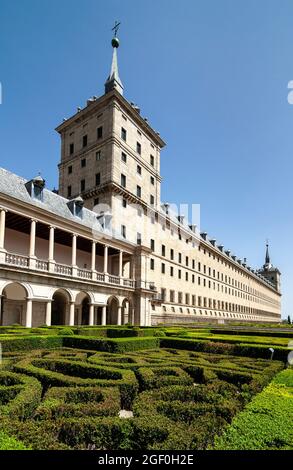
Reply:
x=113 y=81
x=267 y=264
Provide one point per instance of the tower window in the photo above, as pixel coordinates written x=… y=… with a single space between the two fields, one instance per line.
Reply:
x=123 y=181
x=123 y=231
x=171 y=271
x=100 y=132
x=138 y=148
x=172 y=254
x=70 y=169
x=163 y=250
x=98 y=179
x=71 y=149
x=84 y=141
x=98 y=155
x=83 y=163
x=138 y=191
x=152 y=200
x=123 y=134
x=152 y=160
x=138 y=238
x=138 y=169
x=124 y=203
x=96 y=201
x=163 y=268
x=152 y=264
x=152 y=180
x=82 y=185
x=152 y=244
x=124 y=157
x=69 y=191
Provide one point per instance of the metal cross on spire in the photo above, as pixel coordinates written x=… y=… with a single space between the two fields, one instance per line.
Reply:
x=116 y=27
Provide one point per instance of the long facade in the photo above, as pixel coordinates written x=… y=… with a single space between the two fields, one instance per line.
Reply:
x=105 y=249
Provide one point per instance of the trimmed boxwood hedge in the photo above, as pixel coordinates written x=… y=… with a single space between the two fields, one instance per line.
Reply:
x=118 y=345
x=26 y=343
x=156 y=377
x=266 y=422
x=258 y=351
x=79 y=402
x=75 y=373
x=19 y=395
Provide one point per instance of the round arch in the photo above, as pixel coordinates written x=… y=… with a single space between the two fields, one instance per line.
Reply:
x=127 y=311
x=13 y=303
x=112 y=310
x=60 y=304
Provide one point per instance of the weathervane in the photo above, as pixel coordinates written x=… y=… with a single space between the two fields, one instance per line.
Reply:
x=116 y=27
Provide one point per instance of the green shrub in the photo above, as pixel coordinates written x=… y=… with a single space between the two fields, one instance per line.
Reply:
x=65 y=332
x=26 y=343
x=266 y=422
x=118 y=345
x=9 y=443
x=19 y=395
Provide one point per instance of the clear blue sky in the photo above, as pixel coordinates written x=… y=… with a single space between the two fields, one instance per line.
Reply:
x=210 y=75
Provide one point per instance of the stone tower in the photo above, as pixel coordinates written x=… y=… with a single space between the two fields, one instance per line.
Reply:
x=270 y=272
x=110 y=156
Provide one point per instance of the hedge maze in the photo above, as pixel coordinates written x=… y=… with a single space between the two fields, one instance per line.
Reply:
x=71 y=397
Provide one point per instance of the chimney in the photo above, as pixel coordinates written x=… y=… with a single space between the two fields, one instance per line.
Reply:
x=213 y=241
x=204 y=235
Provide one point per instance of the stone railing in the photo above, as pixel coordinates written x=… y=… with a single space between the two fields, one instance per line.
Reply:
x=42 y=265
x=67 y=270
x=114 y=279
x=84 y=273
x=17 y=260
x=63 y=269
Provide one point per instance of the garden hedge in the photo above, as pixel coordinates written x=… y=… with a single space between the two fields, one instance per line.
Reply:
x=118 y=345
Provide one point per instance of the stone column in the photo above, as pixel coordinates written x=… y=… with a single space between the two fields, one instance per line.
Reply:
x=73 y=255
x=71 y=313
x=93 y=262
x=119 y=315
x=29 y=313
x=32 y=248
x=106 y=259
x=120 y=272
x=48 y=312
x=51 y=249
x=104 y=315
x=91 y=314
x=2 y=228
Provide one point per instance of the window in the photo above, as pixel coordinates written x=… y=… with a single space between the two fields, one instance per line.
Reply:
x=138 y=148
x=153 y=245
x=172 y=295
x=124 y=157
x=138 y=169
x=98 y=155
x=179 y=258
x=71 y=149
x=171 y=271
x=98 y=179
x=152 y=180
x=186 y=276
x=163 y=268
x=70 y=169
x=179 y=273
x=138 y=191
x=163 y=294
x=152 y=264
x=163 y=250
x=100 y=132
x=138 y=238
x=152 y=200
x=83 y=163
x=84 y=141
x=82 y=185
x=180 y=297
x=124 y=203
x=186 y=260
x=172 y=254
x=123 y=180
x=123 y=231
x=96 y=201
x=69 y=191
x=123 y=134
x=152 y=160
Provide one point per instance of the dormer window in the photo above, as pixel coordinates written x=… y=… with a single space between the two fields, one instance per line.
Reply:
x=76 y=206
x=35 y=188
